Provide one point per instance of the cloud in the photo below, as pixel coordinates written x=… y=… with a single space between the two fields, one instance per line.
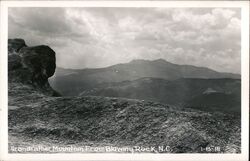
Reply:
x=99 y=37
x=40 y=20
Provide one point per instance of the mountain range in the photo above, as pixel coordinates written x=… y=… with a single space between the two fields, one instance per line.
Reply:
x=74 y=81
x=157 y=80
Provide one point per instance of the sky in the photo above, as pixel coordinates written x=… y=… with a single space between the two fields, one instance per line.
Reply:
x=100 y=37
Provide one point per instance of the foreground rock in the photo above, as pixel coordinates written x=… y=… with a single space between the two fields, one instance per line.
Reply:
x=14 y=45
x=30 y=65
x=40 y=61
x=35 y=118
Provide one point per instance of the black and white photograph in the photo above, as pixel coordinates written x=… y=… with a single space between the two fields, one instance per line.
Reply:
x=125 y=80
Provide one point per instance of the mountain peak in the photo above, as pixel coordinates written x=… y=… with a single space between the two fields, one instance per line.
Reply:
x=138 y=60
x=160 y=61
x=144 y=60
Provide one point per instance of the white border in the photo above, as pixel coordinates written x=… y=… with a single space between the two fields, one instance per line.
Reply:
x=244 y=5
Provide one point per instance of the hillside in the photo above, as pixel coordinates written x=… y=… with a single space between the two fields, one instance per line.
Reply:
x=39 y=116
x=86 y=79
x=187 y=92
x=99 y=121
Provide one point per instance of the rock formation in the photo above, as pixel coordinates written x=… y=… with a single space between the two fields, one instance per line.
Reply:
x=14 y=45
x=40 y=61
x=31 y=65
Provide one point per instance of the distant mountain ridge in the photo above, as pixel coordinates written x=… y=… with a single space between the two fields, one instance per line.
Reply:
x=184 y=71
x=85 y=79
x=205 y=94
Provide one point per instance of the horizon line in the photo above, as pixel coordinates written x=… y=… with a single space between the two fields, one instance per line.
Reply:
x=149 y=61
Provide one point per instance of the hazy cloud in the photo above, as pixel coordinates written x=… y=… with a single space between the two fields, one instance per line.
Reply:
x=98 y=37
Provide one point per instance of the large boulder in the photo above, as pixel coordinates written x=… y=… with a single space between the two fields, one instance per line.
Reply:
x=14 y=45
x=14 y=61
x=31 y=65
x=40 y=61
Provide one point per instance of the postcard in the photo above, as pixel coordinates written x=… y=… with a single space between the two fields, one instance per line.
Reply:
x=124 y=80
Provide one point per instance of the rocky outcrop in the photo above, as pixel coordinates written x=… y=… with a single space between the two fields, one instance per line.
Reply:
x=31 y=65
x=40 y=61
x=14 y=45
x=14 y=61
